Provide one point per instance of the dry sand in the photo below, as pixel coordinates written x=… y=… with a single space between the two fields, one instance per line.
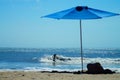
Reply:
x=21 y=75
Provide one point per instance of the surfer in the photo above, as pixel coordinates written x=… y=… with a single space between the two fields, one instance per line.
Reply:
x=59 y=58
x=54 y=57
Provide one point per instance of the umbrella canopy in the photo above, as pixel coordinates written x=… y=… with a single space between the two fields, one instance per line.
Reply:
x=81 y=13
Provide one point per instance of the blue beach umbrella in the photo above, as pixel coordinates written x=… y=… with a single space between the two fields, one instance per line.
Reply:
x=81 y=13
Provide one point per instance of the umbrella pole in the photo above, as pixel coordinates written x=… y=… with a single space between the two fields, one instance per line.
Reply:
x=81 y=48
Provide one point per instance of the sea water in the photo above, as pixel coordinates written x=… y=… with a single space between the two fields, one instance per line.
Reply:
x=32 y=59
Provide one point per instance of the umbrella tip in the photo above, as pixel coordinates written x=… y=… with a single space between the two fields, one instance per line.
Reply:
x=80 y=8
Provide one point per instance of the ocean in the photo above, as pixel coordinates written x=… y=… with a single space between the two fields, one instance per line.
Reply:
x=32 y=59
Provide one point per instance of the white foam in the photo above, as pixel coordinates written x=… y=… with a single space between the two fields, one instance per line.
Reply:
x=103 y=60
x=48 y=69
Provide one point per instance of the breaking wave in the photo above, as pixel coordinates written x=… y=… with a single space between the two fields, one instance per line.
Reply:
x=77 y=60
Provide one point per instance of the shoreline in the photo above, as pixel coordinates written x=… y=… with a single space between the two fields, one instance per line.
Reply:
x=38 y=75
x=55 y=71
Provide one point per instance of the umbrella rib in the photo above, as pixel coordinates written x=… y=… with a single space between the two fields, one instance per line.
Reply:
x=94 y=14
x=112 y=14
x=67 y=13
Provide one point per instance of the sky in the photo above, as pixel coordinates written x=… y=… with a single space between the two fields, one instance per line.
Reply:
x=21 y=25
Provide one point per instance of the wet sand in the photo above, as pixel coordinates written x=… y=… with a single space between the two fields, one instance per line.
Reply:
x=31 y=75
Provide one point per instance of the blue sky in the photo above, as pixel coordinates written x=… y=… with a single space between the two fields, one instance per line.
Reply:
x=21 y=25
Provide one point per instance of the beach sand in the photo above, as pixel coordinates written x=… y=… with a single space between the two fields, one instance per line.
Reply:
x=31 y=75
